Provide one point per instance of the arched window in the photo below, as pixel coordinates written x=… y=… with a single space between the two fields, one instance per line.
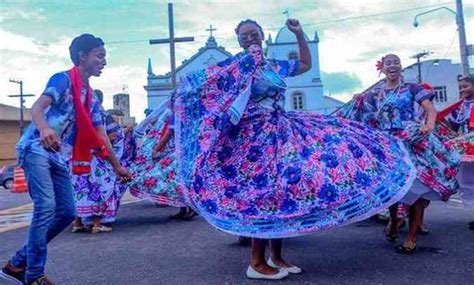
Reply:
x=293 y=55
x=297 y=100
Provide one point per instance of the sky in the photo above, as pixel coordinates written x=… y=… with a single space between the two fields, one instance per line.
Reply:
x=35 y=36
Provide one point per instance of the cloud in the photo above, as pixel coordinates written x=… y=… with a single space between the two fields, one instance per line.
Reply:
x=115 y=78
x=340 y=82
x=18 y=43
x=356 y=48
x=21 y=13
x=59 y=48
x=348 y=49
x=25 y=59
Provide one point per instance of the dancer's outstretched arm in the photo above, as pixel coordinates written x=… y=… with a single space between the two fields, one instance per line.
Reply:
x=431 y=120
x=111 y=157
x=305 y=56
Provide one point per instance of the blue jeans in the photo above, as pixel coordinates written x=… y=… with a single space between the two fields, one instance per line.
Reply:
x=50 y=188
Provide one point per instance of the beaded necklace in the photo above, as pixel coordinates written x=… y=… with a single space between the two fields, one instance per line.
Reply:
x=388 y=96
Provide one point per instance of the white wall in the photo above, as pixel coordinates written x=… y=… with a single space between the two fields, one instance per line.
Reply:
x=438 y=73
x=154 y=102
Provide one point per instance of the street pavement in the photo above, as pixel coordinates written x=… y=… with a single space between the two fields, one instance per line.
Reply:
x=10 y=200
x=146 y=247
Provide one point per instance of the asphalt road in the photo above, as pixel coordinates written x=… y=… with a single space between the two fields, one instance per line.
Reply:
x=148 y=248
x=10 y=200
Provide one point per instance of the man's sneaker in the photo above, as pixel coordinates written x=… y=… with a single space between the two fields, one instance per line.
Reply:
x=43 y=280
x=16 y=277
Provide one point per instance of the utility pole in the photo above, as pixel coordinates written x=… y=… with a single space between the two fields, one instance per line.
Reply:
x=21 y=102
x=418 y=63
x=172 y=40
x=462 y=38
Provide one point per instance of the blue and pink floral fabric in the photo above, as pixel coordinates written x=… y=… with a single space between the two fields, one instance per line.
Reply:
x=436 y=160
x=272 y=173
x=156 y=179
x=99 y=192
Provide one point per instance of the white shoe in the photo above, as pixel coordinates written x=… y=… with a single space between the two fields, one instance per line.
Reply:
x=254 y=274
x=293 y=269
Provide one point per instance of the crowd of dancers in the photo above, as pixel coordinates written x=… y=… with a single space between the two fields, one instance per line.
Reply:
x=223 y=146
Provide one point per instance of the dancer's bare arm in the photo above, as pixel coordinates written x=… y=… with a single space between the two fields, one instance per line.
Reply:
x=431 y=120
x=305 y=56
x=119 y=169
x=49 y=139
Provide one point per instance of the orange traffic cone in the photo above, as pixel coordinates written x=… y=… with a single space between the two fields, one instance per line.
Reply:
x=19 y=181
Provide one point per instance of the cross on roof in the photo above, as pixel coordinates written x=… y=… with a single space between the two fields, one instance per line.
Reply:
x=211 y=29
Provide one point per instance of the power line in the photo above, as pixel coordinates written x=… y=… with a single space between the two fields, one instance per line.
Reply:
x=378 y=14
x=228 y=35
x=352 y=18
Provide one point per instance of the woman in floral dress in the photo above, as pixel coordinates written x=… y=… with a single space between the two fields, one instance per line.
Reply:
x=391 y=108
x=154 y=167
x=461 y=120
x=127 y=158
x=96 y=193
x=252 y=169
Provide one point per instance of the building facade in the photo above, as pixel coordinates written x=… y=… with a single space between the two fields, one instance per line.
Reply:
x=304 y=92
x=442 y=74
x=10 y=132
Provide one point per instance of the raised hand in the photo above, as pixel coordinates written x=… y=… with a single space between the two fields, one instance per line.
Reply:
x=294 y=26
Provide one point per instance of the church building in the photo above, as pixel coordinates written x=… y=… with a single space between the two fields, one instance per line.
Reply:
x=304 y=92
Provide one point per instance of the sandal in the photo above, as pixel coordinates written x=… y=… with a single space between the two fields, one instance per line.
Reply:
x=403 y=249
x=101 y=229
x=78 y=229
